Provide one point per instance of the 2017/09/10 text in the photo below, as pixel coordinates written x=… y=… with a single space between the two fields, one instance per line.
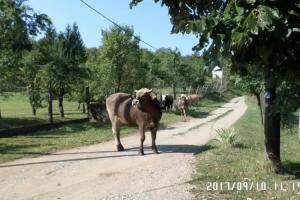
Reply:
x=258 y=186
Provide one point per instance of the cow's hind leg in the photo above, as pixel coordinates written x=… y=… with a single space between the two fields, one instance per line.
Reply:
x=153 y=136
x=116 y=127
x=183 y=114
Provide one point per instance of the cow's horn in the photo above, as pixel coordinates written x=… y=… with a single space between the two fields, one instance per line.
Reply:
x=150 y=90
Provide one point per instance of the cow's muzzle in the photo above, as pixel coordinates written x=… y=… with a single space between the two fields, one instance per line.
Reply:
x=135 y=102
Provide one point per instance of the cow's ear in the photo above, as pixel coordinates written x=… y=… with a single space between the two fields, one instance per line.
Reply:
x=153 y=95
x=133 y=94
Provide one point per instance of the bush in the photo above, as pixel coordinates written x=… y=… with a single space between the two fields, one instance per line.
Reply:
x=226 y=136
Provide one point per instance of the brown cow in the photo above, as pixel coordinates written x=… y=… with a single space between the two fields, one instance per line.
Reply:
x=142 y=111
x=191 y=99
x=185 y=101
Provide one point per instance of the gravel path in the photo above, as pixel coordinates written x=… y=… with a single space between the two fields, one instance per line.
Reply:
x=98 y=172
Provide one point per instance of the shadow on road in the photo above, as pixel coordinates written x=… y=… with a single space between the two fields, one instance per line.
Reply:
x=184 y=148
x=164 y=149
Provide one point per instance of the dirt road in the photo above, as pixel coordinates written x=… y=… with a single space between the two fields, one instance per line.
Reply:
x=98 y=172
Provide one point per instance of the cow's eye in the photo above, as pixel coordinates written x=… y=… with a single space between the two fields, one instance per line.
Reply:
x=141 y=99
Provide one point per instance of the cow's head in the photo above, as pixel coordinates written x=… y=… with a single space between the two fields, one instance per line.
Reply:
x=142 y=97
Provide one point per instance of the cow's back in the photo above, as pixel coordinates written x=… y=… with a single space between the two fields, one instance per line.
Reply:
x=119 y=107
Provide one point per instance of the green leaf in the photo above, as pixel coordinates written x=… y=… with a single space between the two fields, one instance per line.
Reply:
x=201 y=25
x=238 y=38
x=251 y=2
x=228 y=9
x=291 y=30
x=239 y=10
x=292 y=12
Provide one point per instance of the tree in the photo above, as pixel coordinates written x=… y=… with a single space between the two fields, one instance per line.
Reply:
x=63 y=59
x=164 y=57
x=96 y=75
x=175 y=68
x=32 y=77
x=153 y=75
x=119 y=55
x=193 y=71
x=74 y=56
x=171 y=67
x=18 y=23
x=248 y=32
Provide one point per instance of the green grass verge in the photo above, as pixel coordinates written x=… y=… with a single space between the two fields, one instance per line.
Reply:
x=75 y=135
x=245 y=163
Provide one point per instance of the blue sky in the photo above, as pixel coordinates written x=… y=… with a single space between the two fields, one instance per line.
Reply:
x=149 y=20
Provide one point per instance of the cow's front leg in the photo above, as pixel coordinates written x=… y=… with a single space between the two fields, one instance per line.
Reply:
x=142 y=138
x=153 y=136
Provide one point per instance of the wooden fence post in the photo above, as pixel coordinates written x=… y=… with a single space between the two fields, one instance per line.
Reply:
x=299 y=126
x=50 y=106
x=87 y=96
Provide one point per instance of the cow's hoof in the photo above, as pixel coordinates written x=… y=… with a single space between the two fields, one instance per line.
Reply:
x=155 y=151
x=120 y=147
x=141 y=153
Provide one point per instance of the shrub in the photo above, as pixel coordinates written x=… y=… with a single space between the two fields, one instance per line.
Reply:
x=226 y=136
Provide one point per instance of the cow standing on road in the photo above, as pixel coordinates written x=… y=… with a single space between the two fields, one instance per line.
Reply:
x=142 y=110
x=182 y=105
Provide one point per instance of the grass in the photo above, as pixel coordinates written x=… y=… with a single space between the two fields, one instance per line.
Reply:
x=16 y=112
x=75 y=135
x=245 y=163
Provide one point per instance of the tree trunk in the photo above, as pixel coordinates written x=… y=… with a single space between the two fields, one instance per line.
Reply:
x=78 y=108
x=260 y=104
x=60 y=102
x=83 y=108
x=174 y=90
x=0 y=114
x=61 y=106
x=87 y=95
x=271 y=119
x=50 y=107
x=33 y=110
x=298 y=126
x=119 y=83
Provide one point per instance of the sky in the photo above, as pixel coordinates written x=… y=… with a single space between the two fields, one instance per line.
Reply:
x=150 y=21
